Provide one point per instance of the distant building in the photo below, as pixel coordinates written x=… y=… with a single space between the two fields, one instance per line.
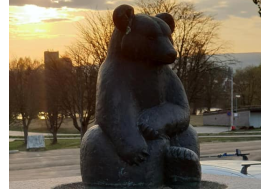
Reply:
x=50 y=56
x=53 y=57
x=249 y=117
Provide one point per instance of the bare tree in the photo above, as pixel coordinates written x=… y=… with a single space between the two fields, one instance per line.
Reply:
x=95 y=34
x=24 y=82
x=54 y=119
x=196 y=41
x=152 y=7
x=87 y=54
x=13 y=110
x=215 y=87
x=81 y=87
x=248 y=84
x=56 y=73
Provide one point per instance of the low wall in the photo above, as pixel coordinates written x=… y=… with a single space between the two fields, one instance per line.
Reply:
x=242 y=118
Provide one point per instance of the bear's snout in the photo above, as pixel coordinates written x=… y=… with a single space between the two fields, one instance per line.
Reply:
x=171 y=56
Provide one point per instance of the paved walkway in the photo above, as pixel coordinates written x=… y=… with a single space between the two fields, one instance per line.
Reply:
x=211 y=129
x=244 y=132
x=200 y=129
x=216 y=148
x=211 y=136
x=65 y=163
x=231 y=136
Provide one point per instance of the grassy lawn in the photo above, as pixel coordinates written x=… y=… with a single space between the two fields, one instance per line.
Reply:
x=75 y=143
x=229 y=139
x=48 y=136
x=62 y=144
x=226 y=134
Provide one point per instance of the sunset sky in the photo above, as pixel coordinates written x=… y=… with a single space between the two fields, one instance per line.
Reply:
x=39 y=25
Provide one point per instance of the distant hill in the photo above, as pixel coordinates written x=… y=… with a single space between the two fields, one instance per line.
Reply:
x=246 y=59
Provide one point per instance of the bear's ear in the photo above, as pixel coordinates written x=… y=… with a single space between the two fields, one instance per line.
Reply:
x=122 y=17
x=166 y=17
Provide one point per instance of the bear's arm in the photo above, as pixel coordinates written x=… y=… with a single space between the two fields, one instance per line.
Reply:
x=116 y=115
x=173 y=115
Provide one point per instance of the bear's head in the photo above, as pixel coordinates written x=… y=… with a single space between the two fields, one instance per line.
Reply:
x=145 y=37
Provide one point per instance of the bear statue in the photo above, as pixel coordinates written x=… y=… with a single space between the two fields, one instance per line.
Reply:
x=141 y=137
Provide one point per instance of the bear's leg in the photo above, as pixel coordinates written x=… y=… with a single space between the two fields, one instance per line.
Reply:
x=101 y=167
x=182 y=162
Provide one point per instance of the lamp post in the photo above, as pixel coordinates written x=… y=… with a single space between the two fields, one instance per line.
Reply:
x=236 y=114
x=232 y=114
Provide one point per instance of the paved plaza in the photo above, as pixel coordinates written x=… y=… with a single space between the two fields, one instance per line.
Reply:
x=66 y=163
x=45 y=169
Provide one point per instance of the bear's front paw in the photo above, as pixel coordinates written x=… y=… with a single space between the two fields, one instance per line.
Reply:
x=148 y=132
x=134 y=156
x=150 y=126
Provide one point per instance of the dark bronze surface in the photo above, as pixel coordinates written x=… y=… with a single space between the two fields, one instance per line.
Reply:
x=142 y=137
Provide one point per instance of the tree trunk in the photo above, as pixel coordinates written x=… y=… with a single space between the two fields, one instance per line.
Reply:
x=209 y=105
x=25 y=131
x=84 y=129
x=194 y=110
x=75 y=123
x=54 y=137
